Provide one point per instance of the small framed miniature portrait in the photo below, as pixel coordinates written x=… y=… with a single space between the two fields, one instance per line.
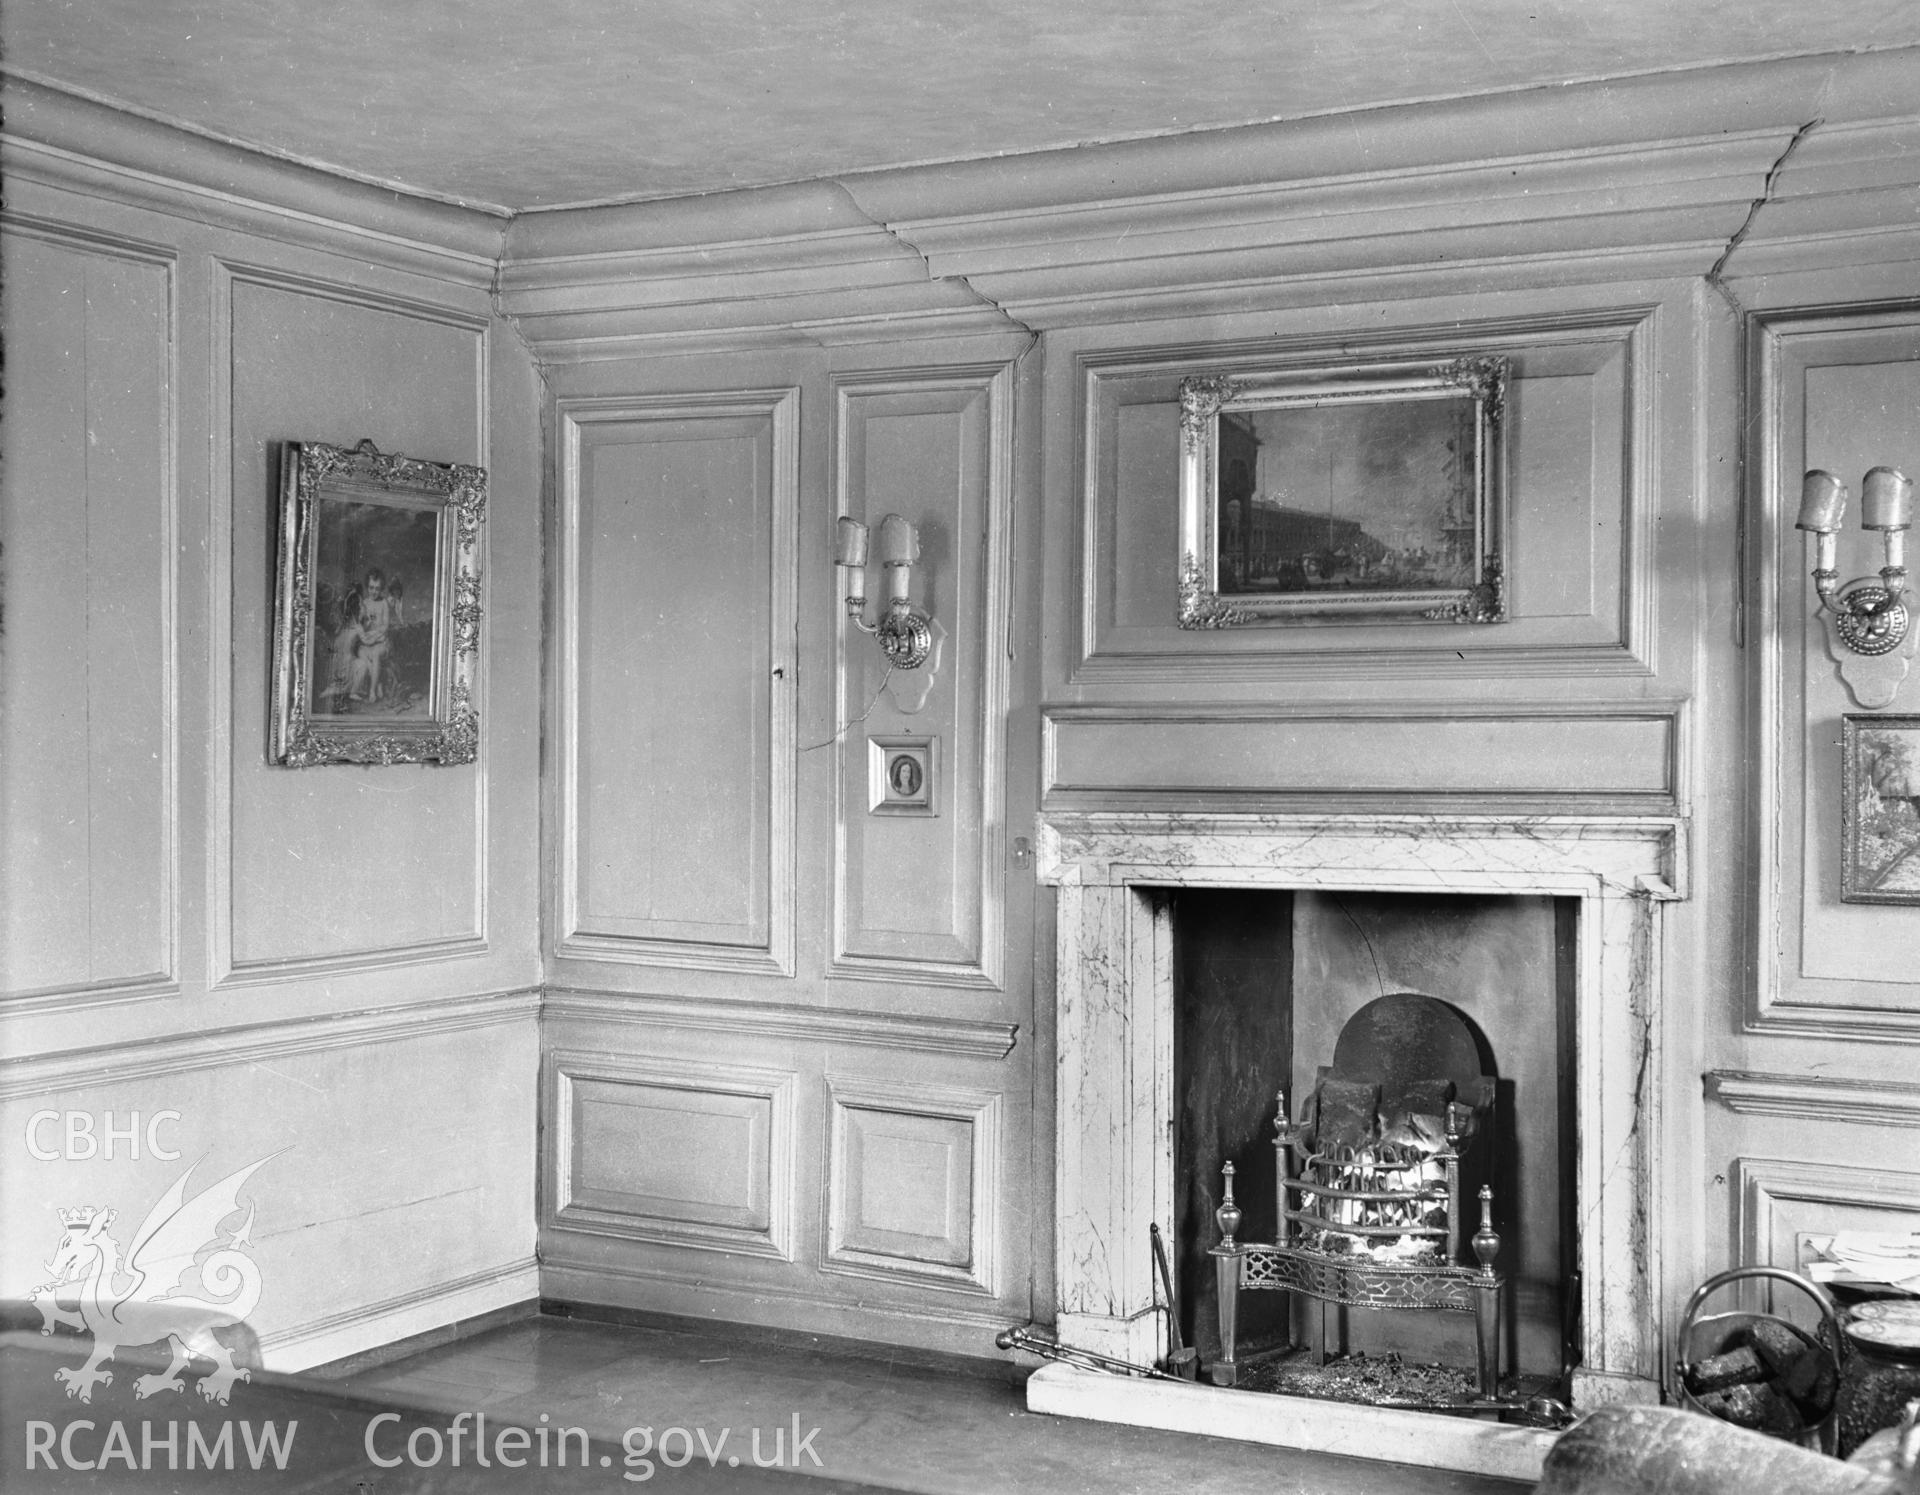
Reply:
x=900 y=775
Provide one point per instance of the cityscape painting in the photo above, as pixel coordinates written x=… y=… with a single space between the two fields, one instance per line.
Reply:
x=1365 y=498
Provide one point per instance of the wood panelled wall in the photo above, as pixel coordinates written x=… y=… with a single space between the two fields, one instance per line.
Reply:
x=1815 y=1121
x=1621 y=258
x=333 y=969
x=91 y=416
x=788 y=1076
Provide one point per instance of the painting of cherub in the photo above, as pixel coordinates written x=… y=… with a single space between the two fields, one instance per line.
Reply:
x=377 y=610
x=371 y=654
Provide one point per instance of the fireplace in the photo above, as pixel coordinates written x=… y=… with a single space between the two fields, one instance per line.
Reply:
x=1115 y=1035
x=1268 y=983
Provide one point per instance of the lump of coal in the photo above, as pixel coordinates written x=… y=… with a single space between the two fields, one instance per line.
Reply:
x=1777 y=1345
x=1715 y=1373
x=1812 y=1383
x=1422 y=1097
x=1756 y=1406
x=1347 y=1109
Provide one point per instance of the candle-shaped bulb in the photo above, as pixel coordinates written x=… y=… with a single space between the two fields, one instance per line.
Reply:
x=850 y=544
x=1823 y=503
x=1886 y=500
x=899 y=545
x=899 y=548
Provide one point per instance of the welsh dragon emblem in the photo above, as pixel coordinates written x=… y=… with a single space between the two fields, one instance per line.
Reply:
x=86 y=1293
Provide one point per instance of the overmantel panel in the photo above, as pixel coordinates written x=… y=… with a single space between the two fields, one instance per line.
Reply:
x=1834 y=390
x=1582 y=492
x=1626 y=757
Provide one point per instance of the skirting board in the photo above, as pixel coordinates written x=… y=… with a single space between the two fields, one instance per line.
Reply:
x=1427 y=1439
x=967 y=1328
x=382 y=1323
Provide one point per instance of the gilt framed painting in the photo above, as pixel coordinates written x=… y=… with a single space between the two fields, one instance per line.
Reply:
x=377 y=613
x=1367 y=494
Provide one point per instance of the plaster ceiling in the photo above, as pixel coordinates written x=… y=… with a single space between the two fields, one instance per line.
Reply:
x=504 y=103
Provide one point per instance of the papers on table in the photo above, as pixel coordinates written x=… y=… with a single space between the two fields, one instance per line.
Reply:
x=1866 y=1256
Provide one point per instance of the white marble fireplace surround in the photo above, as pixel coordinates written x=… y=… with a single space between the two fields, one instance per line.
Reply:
x=1115 y=1032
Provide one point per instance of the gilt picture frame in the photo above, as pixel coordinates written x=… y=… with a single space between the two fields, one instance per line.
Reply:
x=378 y=608
x=1365 y=494
x=1880 y=809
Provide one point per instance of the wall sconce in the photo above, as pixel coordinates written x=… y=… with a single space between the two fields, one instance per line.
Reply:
x=905 y=633
x=1868 y=631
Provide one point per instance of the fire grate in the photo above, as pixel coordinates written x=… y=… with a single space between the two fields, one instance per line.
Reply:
x=1370 y=1188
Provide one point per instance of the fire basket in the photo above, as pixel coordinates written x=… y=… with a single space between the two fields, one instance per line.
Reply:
x=1369 y=1184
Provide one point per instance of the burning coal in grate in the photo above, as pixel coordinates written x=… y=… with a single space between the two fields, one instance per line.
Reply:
x=1377 y=1185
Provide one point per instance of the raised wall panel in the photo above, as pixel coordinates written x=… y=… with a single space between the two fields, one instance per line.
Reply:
x=400 y=1134
x=339 y=866
x=913 y=1192
x=1578 y=450
x=1782 y=1203
x=677 y=552
x=1836 y=392
x=919 y=897
x=681 y=1154
x=1109 y=753
x=89 y=887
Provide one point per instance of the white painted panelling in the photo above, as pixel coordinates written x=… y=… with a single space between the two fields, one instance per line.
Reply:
x=913 y=1191
x=1837 y=391
x=1783 y=1202
x=1135 y=754
x=681 y=1154
x=341 y=867
x=89 y=877
x=677 y=544
x=1579 y=439
x=921 y=898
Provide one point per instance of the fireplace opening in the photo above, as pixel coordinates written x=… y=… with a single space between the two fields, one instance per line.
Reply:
x=1264 y=982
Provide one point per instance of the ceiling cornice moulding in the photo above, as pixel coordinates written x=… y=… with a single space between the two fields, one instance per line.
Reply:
x=1779 y=170
x=783 y=266
x=1849 y=194
x=76 y=144
x=1581 y=118
x=1647 y=177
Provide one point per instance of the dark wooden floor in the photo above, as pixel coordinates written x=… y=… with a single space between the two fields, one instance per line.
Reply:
x=900 y=1423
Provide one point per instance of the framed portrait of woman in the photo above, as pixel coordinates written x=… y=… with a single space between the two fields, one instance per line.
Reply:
x=377 y=615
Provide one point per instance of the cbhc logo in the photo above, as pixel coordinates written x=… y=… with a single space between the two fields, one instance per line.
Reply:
x=82 y=1141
